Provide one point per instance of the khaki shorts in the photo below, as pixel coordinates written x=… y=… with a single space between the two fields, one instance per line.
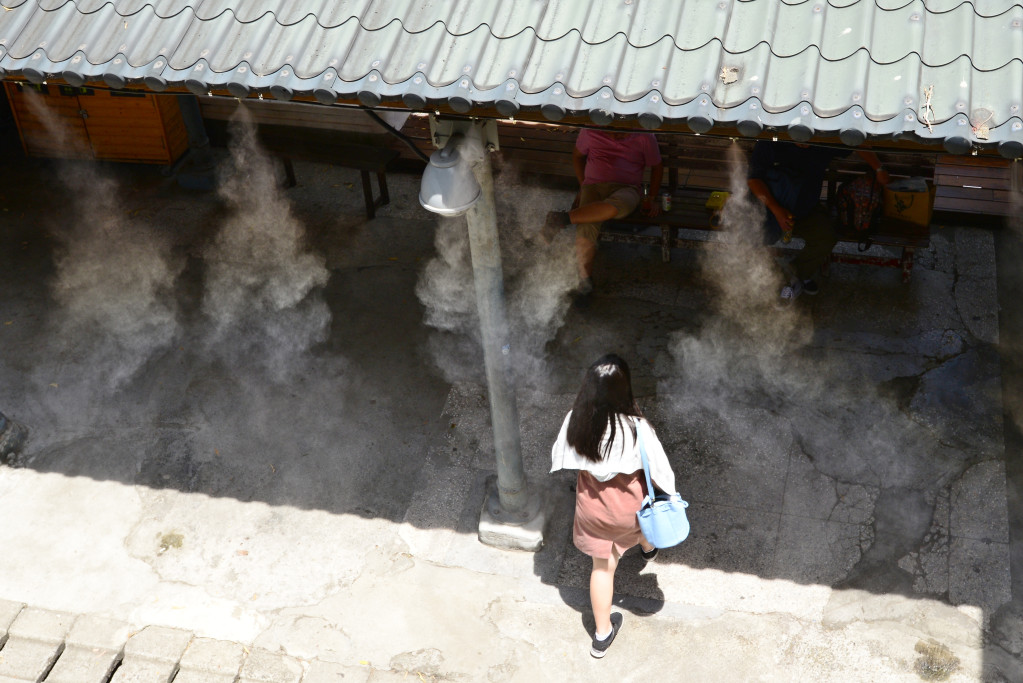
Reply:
x=625 y=198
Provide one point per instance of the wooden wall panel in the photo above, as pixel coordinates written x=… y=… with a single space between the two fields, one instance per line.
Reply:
x=175 y=133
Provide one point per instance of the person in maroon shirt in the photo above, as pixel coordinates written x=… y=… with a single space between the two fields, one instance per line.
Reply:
x=609 y=166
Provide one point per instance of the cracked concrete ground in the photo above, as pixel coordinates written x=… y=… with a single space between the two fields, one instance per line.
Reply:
x=851 y=514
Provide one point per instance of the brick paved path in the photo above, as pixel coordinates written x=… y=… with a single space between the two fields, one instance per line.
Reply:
x=58 y=647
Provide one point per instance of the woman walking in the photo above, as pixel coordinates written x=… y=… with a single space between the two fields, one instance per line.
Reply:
x=599 y=438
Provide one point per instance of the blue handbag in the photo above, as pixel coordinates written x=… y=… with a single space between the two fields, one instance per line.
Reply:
x=662 y=518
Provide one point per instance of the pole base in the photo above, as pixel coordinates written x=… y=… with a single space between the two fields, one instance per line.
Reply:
x=12 y=438
x=511 y=530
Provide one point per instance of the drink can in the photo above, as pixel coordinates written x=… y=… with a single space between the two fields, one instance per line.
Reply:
x=665 y=201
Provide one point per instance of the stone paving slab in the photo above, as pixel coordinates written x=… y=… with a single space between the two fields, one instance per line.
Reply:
x=158 y=643
x=261 y=666
x=83 y=665
x=46 y=626
x=210 y=656
x=93 y=632
x=8 y=611
x=137 y=670
x=27 y=659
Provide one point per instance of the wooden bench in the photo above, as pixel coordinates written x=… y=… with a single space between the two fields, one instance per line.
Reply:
x=696 y=166
x=973 y=185
x=364 y=158
x=290 y=144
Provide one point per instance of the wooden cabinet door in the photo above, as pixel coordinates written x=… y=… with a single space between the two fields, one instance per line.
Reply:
x=49 y=120
x=124 y=126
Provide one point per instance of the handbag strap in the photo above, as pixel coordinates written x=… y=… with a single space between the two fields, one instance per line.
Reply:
x=646 y=465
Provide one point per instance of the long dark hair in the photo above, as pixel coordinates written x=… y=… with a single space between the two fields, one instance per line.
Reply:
x=606 y=393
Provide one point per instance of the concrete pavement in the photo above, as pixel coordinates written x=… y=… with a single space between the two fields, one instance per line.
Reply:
x=281 y=481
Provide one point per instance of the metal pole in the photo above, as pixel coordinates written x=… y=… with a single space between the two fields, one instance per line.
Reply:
x=195 y=169
x=1016 y=182
x=513 y=496
x=191 y=116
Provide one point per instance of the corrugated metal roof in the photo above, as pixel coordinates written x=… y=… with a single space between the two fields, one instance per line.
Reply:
x=854 y=67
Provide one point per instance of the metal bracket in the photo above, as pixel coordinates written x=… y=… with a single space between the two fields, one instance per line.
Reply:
x=441 y=131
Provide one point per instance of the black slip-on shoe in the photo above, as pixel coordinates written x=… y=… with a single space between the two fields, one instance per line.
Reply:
x=599 y=647
x=648 y=556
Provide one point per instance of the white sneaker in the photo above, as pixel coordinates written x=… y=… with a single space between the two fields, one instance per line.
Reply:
x=790 y=292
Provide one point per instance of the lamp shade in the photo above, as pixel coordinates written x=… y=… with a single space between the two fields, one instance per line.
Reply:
x=449 y=186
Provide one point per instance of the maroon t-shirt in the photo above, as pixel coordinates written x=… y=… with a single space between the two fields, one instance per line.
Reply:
x=617 y=161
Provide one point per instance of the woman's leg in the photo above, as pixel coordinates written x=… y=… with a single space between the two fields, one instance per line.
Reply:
x=602 y=589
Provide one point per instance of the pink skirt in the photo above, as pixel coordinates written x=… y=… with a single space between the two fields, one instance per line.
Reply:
x=605 y=513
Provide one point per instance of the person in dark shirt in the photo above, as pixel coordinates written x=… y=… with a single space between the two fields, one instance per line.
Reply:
x=787 y=178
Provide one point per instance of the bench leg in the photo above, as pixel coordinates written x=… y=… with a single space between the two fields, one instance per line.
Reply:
x=907 y=263
x=367 y=193
x=385 y=198
x=289 y=173
x=667 y=237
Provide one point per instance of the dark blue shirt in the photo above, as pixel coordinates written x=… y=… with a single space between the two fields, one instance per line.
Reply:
x=794 y=176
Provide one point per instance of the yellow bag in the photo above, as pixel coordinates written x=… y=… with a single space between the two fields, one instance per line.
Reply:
x=915 y=207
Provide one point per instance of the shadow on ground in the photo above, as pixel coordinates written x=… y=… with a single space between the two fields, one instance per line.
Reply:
x=872 y=458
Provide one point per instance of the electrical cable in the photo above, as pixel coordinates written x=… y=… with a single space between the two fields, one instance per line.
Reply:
x=397 y=133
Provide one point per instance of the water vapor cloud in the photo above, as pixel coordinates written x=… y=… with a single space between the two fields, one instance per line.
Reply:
x=263 y=285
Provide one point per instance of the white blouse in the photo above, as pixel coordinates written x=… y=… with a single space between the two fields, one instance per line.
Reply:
x=623 y=458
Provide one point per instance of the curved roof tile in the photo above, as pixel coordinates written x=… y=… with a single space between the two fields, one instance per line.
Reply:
x=100 y=35
x=828 y=65
x=125 y=8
